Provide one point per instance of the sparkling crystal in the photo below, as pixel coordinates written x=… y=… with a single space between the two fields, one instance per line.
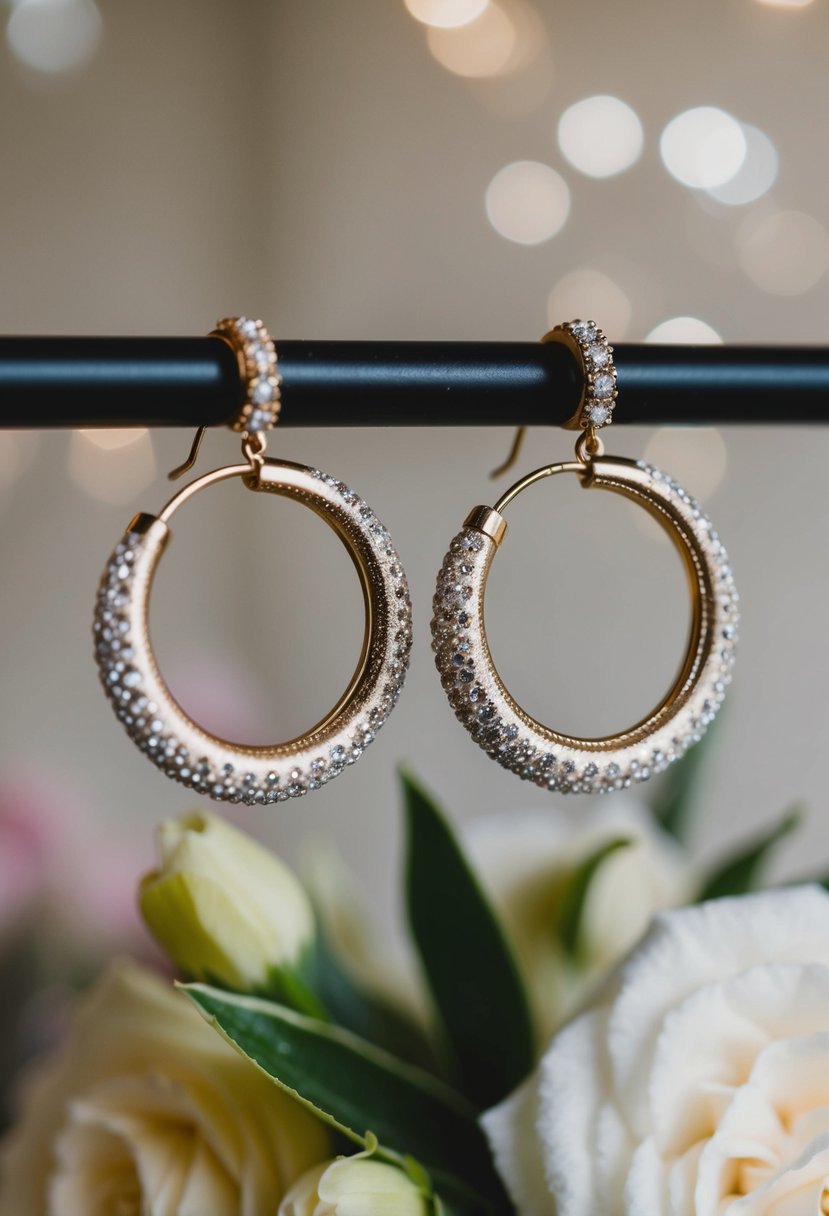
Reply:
x=597 y=413
x=262 y=392
x=260 y=356
x=598 y=355
x=603 y=385
x=259 y=420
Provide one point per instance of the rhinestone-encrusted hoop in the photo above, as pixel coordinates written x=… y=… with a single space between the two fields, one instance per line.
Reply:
x=591 y=348
x=256 y=354
x=517 y=741
x=231 y=772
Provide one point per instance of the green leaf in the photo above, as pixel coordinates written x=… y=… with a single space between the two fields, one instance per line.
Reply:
x=472 y=974
x=678 y=790
x=578 y=889
x=367 y=1015
x=353 y=1085
x=743 y=871
x=295 y=987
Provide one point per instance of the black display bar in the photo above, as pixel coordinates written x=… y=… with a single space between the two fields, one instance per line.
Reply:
x=91 y=382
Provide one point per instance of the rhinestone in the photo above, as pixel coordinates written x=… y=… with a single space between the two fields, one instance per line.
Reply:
x=259 y=420
x=260 y=356
x=603 y=385
x=262 y=391
x=597 y=413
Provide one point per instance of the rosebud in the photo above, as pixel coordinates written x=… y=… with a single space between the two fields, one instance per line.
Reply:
x=223 y=907
x=355 y=1186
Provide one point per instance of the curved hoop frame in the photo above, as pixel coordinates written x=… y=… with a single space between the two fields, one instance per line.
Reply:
x=490 y=713
x=182 y=749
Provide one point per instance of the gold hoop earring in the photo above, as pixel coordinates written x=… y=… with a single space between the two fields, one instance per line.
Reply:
x=497 y=723
x=182 y=749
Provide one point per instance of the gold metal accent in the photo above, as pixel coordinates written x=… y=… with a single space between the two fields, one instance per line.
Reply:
x=256 y=356
x=488 y=521
x=581 y=339
x=552 y=758
x=625 y=477
x=291 y=481
x=680 y=717
x=514 y=453
x=193 y=456
x=302 y=763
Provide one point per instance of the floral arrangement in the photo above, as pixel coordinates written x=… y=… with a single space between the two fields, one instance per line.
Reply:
x=593 y=1027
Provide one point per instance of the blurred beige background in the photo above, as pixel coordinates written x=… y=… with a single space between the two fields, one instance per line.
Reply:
x=328 y=166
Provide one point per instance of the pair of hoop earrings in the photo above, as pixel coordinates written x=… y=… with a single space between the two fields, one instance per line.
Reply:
x=234 y=772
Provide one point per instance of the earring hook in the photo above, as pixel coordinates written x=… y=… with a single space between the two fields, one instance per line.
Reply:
x=181 y=469
x=513 y=453
x=594 y=355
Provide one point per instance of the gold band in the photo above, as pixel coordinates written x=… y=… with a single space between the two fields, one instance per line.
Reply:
x=550 y=758
x=185 y=751
x=256 y=356
x=594 y=354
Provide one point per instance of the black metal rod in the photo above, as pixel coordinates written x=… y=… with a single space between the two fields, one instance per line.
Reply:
x=90 y=382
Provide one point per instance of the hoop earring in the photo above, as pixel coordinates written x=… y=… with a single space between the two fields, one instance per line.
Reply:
x=497 y=723
x=156 y=723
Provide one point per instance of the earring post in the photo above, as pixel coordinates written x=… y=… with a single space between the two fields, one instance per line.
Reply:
x=54 y=382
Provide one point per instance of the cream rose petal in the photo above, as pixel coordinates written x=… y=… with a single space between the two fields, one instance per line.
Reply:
x=510 y=1128
x=698 y=946
x=135 y=1027
x=165 y=1137
x=647 y=1186
x=713 y=1038
x=800 y=1189
x=584 y=1144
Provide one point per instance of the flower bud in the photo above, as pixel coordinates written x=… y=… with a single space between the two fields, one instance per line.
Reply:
x=224 y=908
x=355 y=1186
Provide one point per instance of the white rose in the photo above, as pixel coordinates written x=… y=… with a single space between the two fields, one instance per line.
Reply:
x=355 y=1186
x=223 y=907
x=525 y=861
x=148 y=1109
x=697 y=1085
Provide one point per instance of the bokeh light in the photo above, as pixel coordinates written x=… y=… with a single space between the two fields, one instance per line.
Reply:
x=600 y=136
x=684 y=331
x=483 y=47
x=785 y=253
x=696 y=456
x=53 y=36
x=446 y=14
x=112 y=465
x=591 y=294
x=703 y=148
x=794 y=4
x=527 y=202
x=756 y=175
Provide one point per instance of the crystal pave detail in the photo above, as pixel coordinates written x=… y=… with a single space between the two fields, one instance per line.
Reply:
x=256 y=353
x=548 y=758
x=596 y=353
x=179 y=747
